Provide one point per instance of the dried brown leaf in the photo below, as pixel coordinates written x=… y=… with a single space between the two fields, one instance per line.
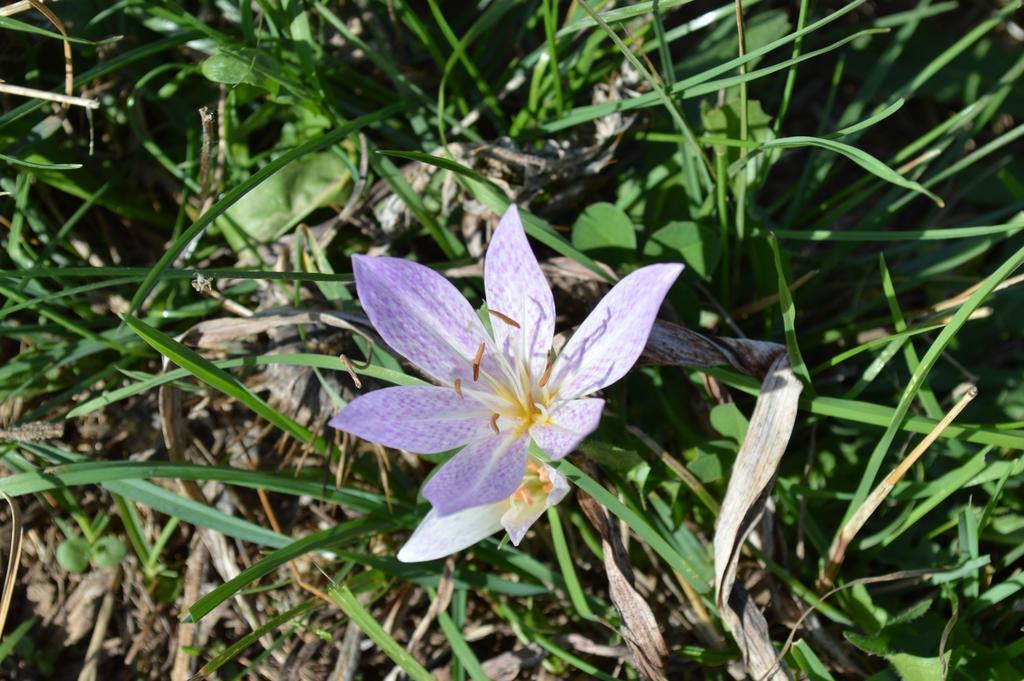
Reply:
x=639 y=625
x=508 y=665
x=213 y=332
x=753 y=474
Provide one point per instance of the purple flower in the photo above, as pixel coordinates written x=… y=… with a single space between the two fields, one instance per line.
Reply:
x=440 y=535
x=494 y=393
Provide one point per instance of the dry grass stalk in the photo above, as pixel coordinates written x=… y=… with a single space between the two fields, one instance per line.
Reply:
x=13 y=560
x=33 y=93
x=842 y=541
x=69 y=69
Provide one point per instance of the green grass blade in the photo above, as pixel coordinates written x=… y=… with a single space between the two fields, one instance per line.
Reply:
x=796 y=360
x=253 y=636
x=858 y=156
x=917 y=379
x=565 y=564
x=347 y=601
x=869 y=413
x=339 y=535
x=216 y=378
x=685 y=566
x=461 y=649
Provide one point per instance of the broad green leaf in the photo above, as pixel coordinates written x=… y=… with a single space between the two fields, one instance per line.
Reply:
x=604 y=229
x=285 y=199
x=698 y=246
x=728 y=420
x=234 y=68
x=916 y=668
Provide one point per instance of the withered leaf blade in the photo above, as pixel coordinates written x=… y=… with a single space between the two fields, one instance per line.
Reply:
x=639 y=625
x=753 y=475
x=217 y=331
x=749 y=487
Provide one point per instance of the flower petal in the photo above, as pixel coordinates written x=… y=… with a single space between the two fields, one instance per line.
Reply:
x=518 y=518
x=486 y=471
x=421 y=315
x=516 y=288
x=439 y=536
x=570 y=422
x=609 y=341
x=559 y=486
x=419 y=418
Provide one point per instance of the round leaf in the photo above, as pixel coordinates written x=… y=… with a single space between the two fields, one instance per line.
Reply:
x=698 y=246
x=604 y=228
x=108 y=551
x=73 y=554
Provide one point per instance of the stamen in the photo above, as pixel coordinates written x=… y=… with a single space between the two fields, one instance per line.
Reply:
x=523 y=494
x=476 y=362
x=458 y=388
x=531 y=406
x=494 y=422
x=547 y=373
x=505 y=318
x=533 y=466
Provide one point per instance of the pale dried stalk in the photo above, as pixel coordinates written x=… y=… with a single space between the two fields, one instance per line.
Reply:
x=842 y=541
x=959 y=298
x=13 y=561
x=23 y=91
x=32 y=432
x=69 y=69
x=94 y=652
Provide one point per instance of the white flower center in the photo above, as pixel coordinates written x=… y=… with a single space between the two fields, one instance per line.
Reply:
x=513 y=395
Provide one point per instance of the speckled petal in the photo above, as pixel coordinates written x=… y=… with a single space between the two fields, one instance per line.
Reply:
x=518 y=518
x=609 y=341
x=421 y=315
x=570 y=423
x=484 y=472
x=439 y=536
x=422 y=419
x=516 y=287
